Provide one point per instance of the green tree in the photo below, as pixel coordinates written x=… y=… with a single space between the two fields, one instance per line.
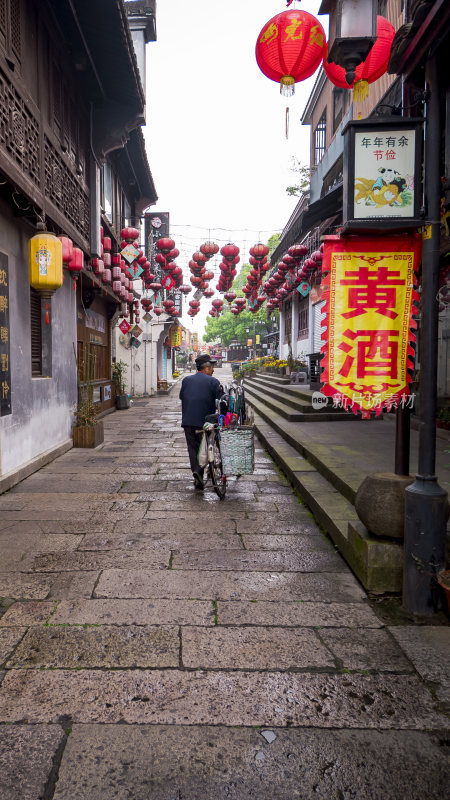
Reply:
x=273 y=242
x=303 y=176
x=229 y=327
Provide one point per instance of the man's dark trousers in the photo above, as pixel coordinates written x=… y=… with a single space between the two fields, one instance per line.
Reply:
x=193 y=441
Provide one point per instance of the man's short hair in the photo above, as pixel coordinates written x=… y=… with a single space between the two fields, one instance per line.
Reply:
x=204 y=359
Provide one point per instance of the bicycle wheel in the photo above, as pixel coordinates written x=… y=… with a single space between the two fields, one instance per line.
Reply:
x=218 y=479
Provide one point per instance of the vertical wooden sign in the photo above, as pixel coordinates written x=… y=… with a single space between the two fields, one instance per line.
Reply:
x=5 y=365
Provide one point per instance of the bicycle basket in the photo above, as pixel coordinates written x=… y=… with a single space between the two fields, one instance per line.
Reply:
x=237 y=448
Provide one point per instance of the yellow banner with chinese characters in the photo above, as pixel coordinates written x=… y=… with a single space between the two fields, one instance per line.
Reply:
x=369 y=306
x=175 y=336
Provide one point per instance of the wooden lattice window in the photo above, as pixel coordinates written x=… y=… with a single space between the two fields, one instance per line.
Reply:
x=36 y=333
x=303 y=318
x=11 y=30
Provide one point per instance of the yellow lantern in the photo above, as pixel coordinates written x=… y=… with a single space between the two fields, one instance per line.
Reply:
x=45 y=263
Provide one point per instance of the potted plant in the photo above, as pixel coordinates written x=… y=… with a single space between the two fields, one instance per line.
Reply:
x=119 y=369
x=87 y=430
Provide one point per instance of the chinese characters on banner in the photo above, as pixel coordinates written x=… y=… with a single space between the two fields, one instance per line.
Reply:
x=384 y=173
x=369 y=307
x=175 y=336
x=5 y=368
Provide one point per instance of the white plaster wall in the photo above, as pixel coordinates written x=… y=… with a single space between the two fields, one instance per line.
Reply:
x=42 y=408
x=145 y=363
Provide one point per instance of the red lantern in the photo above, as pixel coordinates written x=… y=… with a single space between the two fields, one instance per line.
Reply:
x=67 y=249
x=290 y=48
x=185 y=289
x=155 y=287
x=297 y=251
x=129 y=234
x=165 y=245
x=371 y=69
x=173 y=254
x=230 y=252
x=209 y=249
x=77 y=263
x=158 y=311
x=289 y=260
x=230 y=296
x=259 y=251
x=199 y=258
x=208 y=292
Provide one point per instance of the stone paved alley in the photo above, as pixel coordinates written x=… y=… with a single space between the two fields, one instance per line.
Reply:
x=158 y=643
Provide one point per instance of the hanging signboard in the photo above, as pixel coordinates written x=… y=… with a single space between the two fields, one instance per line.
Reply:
x=369 y=306
x=124 y=326
x=177 y=299
x=134 y=271
x=5 y=367
x=175 y=336
x=129 y=253
x=382 y=174
x=168 y=282
x=304 y=288
x=156 y=226
x=136 y=331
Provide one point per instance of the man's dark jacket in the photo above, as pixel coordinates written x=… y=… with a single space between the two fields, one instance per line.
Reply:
x=198 y=396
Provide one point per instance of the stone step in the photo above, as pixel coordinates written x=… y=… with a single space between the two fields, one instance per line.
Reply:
x=296 y=390
x=290 y=408
x=277 y=380
x=376 y=562
x=279 y=393
x=296 y=396
x=289 y=432
x=263 y=398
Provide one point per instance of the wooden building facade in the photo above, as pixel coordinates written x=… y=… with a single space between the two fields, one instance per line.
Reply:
x=71 y=155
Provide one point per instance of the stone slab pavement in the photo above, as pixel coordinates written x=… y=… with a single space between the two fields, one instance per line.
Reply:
x=158 y=643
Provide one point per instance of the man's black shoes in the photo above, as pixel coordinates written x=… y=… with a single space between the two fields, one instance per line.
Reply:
x=198 y=480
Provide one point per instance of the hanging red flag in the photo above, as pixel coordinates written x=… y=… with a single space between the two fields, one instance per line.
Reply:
x=369 y=306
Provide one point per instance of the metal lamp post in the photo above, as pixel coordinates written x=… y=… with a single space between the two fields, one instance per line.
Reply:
x=426 y=507
x=355 y=34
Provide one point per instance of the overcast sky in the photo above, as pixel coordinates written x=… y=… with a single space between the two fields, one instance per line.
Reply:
x=215 y=130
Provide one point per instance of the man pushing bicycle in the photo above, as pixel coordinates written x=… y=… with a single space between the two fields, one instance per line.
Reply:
x=198 y=396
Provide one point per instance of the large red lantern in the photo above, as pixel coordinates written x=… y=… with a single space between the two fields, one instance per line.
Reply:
x=369 y=70
x=259 y=251
x=230 y=253
x=289 y=48
x=209 y=249
x=165 y=244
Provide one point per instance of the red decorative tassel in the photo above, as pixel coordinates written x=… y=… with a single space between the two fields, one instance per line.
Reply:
x=47 y=318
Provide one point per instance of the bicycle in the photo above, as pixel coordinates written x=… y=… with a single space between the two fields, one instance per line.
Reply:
x=211 y=432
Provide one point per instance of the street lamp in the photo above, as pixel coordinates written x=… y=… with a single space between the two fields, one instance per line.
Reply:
x=354 y=35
